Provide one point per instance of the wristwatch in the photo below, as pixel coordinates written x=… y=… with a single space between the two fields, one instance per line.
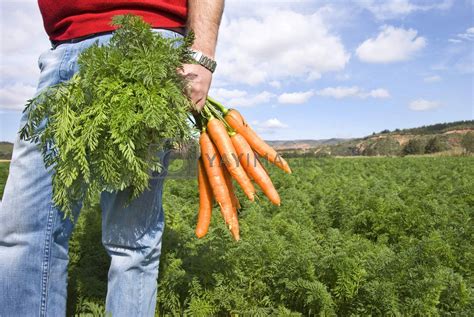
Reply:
x=204 y=60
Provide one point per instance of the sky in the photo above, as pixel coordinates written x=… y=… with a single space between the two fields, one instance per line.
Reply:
x=304 y=69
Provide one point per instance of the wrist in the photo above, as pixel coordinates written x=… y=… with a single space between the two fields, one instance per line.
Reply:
x=205 y=50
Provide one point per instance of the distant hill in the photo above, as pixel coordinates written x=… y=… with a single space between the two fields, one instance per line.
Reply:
x=303 y=144
x=435 y=128
x=6 y=149
x=442 y=137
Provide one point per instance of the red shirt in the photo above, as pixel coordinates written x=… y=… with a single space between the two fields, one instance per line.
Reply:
x=68 y=19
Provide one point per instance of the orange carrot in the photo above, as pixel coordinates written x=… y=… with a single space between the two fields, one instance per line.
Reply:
x=215 y=172
x=253 y=167
x=237 y=122
x=228 y=180
x=221 y=139
x=205 y=201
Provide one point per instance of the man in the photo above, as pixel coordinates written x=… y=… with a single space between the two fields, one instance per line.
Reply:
x=33 y=232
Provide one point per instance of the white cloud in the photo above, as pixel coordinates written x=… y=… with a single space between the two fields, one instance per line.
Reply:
x=391 y=45
x=275 y=45
x=22 y=40
x=222 y=93
x=269 y=126
x=458 y=57
x=273 y=123
x=240 y=98
x=376 y=93
x=465 y=64
x=423 y=105
x=345 y=92
x=338 y=92
x=343 y=77
x=22 y=28
x=389 y=8
x=392 y=9
x=432 y=79
x=14 y=97
x=295 y=97
x=275 y=84
x=468 y=35
x=252 y=100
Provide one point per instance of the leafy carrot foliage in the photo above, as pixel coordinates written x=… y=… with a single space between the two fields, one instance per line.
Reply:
x=353 y=237
x=102 y=129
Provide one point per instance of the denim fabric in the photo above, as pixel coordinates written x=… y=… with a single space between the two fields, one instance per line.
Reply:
x=34 y=234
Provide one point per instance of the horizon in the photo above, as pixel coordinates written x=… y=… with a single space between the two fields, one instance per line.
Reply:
x=351 y=138
x=304 y=70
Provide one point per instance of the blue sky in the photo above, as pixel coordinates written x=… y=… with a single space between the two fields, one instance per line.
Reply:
x=305 y=69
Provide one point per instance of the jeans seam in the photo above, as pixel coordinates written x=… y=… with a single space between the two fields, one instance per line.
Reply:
x=64 y=60
x=45 y=271
x=141 y=294
x=154 y=217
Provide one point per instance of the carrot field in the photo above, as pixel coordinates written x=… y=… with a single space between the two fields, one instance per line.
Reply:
x=360 y=236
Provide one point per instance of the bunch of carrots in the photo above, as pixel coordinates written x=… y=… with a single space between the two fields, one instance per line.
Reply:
x=228 y=146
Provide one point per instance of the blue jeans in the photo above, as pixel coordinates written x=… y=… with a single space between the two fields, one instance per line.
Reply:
x=34 y=234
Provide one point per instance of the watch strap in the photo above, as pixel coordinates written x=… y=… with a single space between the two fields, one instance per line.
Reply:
x=204 y=60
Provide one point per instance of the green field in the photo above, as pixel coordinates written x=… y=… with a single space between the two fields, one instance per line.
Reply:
x=3 y=176
x=359 y=236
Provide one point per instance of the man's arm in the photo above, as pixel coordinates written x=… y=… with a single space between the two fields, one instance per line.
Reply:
x=204 y=18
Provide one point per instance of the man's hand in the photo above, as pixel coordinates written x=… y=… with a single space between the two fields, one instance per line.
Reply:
x=199 y=79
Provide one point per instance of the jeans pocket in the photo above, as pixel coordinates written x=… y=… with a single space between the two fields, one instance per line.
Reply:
x=48 y=63
x=41 y=62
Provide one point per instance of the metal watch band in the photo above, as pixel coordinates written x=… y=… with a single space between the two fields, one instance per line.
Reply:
x=204 y=60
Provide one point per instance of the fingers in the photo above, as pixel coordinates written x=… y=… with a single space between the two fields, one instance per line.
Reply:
x=197 y=94
x=199 y=80
x=200 y=104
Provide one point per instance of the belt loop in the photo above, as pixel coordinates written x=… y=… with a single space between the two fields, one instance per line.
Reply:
x=54 y=44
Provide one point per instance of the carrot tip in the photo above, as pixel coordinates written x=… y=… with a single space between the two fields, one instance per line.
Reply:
x=251 y=196
x=200 y=234
x=236 y=236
